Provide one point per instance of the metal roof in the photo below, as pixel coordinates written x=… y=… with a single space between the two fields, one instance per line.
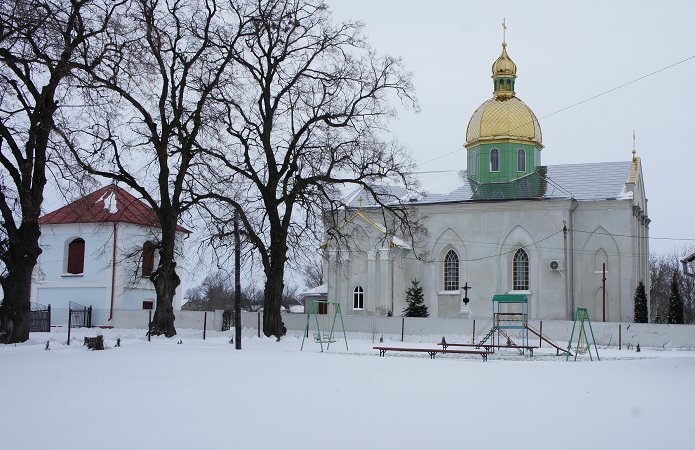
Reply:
x=108 y=204
x=583 y=182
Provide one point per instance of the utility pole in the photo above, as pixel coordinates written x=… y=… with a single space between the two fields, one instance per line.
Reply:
x=237 y=282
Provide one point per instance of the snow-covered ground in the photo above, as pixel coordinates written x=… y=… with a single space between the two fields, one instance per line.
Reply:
x=207 y=395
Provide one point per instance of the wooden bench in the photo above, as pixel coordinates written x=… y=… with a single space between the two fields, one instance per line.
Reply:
x=490 y=347
x=432 y=351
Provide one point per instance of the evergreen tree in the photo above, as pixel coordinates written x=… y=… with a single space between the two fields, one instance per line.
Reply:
x=675 y=302
x=641 y=315
x=416 y=301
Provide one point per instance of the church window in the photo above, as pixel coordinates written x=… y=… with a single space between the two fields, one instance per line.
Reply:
x=521 y=160
x=358 y=298
x=520 y=271
x=76 y=256
x=147 y=258
x=451 y=271
x=474 y=163
x=494 y=160
x=600 y=258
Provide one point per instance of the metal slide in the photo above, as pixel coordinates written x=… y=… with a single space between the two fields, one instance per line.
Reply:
x=561 y=351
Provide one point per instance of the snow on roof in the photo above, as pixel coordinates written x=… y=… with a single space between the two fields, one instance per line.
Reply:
x=584 y=182
x=108 y=204
x=318 y=290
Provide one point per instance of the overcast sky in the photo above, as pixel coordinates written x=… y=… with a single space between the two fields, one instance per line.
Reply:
x=565 y=53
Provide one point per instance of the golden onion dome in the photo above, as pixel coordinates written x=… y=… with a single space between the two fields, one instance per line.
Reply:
x=504 y=66
x=503 y=119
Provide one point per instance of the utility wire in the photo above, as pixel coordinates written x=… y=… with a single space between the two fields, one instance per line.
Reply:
x=662 y=69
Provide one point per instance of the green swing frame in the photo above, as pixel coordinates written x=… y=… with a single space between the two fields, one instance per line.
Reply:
x=582 y=316
x=313 y=310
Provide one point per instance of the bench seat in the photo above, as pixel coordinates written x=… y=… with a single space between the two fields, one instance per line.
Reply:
x=432 y=351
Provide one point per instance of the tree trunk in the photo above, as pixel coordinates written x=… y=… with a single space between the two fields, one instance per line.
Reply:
x=272 y=298
x=165 y=280
x=16 y=285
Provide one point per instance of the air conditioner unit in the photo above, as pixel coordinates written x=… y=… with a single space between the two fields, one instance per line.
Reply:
x=556 y=265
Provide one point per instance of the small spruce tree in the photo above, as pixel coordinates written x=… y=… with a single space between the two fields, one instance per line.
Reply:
x=416 y=301
x=675 y=301
x=641 y=315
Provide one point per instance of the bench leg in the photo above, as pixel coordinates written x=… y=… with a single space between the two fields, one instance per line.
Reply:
x=432 y=354
x=484 y=357
x=382 y=353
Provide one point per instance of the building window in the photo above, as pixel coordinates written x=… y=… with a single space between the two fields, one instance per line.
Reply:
x=147 y=258
x=520 y=271
x=76 y=256
x=494 y=160
x=474 y=163
x=147 y=304
x=451 y=271
x=358 y=298
x=521 y=160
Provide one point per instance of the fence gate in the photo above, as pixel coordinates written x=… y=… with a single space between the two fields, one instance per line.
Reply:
x=39 y=318
x=80 y=316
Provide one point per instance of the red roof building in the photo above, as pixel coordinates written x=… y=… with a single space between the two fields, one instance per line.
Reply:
x=108 y=204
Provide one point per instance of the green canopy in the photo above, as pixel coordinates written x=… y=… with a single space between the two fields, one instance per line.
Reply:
x=510 y=298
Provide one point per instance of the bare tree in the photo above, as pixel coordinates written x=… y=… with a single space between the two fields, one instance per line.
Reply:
x=149 y=105
x=662 y=269
x=306 y=116
x=40 y=41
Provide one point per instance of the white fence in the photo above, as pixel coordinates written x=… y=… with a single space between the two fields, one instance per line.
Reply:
x=606 y=333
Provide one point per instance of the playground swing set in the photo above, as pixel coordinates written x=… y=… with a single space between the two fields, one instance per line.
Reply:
x=510 y=314
x=324 y=312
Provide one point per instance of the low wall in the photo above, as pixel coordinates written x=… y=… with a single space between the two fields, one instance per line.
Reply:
x=606 y=333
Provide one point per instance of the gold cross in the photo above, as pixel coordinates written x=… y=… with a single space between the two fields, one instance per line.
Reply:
x=634 y=151
x=504 y=34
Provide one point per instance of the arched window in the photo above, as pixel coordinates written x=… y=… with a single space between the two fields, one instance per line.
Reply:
x=521 y=160
x=451 y=271
x=520 y=271
x=76 y=256
x=147 y=258
x=494 y=160
x=600 y=258
x=358 y=298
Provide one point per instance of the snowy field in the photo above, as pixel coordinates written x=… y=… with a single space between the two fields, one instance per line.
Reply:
x=207 y=395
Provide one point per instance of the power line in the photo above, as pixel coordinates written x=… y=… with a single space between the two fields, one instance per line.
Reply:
x=588 y=99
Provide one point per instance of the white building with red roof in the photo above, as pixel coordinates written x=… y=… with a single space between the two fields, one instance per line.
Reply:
x=99 y=251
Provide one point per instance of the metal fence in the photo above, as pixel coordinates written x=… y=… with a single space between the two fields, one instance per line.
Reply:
x=40 y=318
x=80 y=316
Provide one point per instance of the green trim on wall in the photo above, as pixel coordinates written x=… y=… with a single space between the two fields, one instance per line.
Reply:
x=507 y=162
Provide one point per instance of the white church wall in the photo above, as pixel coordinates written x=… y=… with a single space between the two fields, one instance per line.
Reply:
x=485 y=236
x=52 y=285
x=603 y=233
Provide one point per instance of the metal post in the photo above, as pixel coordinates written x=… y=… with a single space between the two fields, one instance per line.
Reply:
x=237 y=282
x=540 y=336
x=205 y=323
x=49 y=317
x=402 y=327
x=69 y=323
x=473 y=336
x=259 y=324
x=149 y=326
x=603 y=288
x=620 y=337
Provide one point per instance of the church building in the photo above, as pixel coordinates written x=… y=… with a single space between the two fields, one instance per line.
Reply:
x=100 y=251
x=513 y=225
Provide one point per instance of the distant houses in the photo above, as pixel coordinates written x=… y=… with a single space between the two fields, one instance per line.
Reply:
x=99 y=251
